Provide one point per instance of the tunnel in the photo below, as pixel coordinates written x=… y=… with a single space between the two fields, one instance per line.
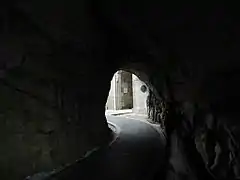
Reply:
x=57 y=59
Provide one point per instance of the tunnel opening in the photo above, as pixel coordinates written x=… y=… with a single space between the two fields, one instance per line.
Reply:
x=133 y=97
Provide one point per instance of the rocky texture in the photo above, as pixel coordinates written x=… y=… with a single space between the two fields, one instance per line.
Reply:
x=51 y=112
x=57 y=61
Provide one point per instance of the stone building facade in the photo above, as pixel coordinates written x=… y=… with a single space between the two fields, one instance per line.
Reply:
x=127 y=92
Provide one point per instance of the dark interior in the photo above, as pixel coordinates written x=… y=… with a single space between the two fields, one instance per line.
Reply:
x=57 y=59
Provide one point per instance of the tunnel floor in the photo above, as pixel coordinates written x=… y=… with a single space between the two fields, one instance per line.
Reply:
x=137 y=153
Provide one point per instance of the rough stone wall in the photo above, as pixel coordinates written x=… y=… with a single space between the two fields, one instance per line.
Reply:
x=196 y=70
x=202 y=129
x=207 y=100
x=51 y=103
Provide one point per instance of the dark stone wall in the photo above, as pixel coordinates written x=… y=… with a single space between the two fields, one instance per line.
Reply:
x=191 y=58
x=52 y=92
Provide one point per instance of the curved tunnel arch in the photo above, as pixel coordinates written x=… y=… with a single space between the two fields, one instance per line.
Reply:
x=144 y=71
x=82 y=93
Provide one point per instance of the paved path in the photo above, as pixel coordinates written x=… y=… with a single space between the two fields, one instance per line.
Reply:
x=139 y=149
x=137 y=154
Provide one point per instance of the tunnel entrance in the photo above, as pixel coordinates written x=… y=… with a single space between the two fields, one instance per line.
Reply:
x=131 y=96
x=127 y=95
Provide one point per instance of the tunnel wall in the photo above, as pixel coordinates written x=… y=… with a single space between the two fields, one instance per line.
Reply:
x=202 y=87
x=49 y=62
x=201 y=113
x=191 y=59
x=51 y=100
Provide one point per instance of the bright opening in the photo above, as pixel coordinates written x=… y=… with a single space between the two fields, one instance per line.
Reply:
x=131 y=97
